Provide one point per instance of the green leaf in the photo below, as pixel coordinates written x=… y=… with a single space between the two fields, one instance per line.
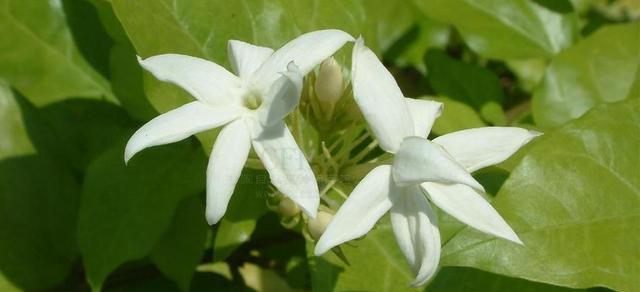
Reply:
x=15 y=140
x=456 y=116
x=127 y=208
x=574 y=200
x=179 y=250
x=459 y=279
x=247 y=204
x=38 y=55
x=376 y=264
x=76 y=131
x=6 y=285
x=410 y=49
x=601 y=68
x=505 y=29
x=464 y=82
x=38 y=212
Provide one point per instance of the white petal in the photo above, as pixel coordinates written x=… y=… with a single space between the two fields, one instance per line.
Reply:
x=415 y=227
x=283 y=96
x=423 y=113
x=306 y=51
x=205 y=80
x=482 y=147
x=370 y=199
x=178 y=124
x=466 y=205
x=380 y=99
x=420 y=160
x=246 y=58
x=226 y=161
x=288 y=168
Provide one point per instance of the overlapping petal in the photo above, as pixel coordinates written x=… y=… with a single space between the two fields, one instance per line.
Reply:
x=226 y=161
x=306 y=51
x=419 y=160
x=283 y=96
x=288 y=168
x=481 y=147
x=179 y=124
x=370 y=199
x=466 y=205
x=423 y=113
x=246 y=58
x=205 y=80
x=416 y=230
x=380 y=99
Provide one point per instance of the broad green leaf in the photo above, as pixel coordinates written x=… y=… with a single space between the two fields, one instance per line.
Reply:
x=498 y=29
x=600 y=68
x=456 y=116
x=376 y=264
x=38 y=55
x=38 y=212
x=460 y=279
x=127 y=208
x=179 y=250
x=15 y=140
x=464 y=82
x=574 y=200
x=76 y=131
x=247 y=204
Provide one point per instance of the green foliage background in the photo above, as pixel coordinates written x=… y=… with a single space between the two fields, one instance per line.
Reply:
x=73 y=217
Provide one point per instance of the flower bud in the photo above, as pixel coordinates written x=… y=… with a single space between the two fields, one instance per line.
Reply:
x=288 y=208
x=319 y=224
x=329 y=84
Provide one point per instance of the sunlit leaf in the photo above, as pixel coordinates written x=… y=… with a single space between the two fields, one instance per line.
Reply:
x=601 y=68
x=574 y=200
x=38 y=55
x=505 y=29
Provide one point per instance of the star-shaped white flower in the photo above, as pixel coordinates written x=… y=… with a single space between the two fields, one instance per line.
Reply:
x=439 y=169
x=251 y=105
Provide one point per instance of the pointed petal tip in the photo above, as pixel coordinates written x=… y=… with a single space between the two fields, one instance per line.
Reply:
x=321 y=247
x=212 y=219
x=535 y=133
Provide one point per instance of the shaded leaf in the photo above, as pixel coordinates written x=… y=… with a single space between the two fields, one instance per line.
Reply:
x=126 y=209
x=38 y=212
x=247 y=204
x=15 y=140
x=459 y=279
x=464 y=82
x=179 y=250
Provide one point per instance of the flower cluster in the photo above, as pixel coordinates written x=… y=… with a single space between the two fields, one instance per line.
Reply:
x=252 y=105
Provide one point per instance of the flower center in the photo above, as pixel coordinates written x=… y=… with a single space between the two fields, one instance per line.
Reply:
x=252 y=100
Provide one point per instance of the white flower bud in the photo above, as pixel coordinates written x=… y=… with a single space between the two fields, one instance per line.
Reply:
x=288 y=208
x=329 y=84
x=319 y=224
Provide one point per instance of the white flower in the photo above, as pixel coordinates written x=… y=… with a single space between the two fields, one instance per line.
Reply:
x=439 y=168
x=252 y=105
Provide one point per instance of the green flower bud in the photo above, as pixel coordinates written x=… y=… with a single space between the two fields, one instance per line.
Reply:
x=317 y=225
